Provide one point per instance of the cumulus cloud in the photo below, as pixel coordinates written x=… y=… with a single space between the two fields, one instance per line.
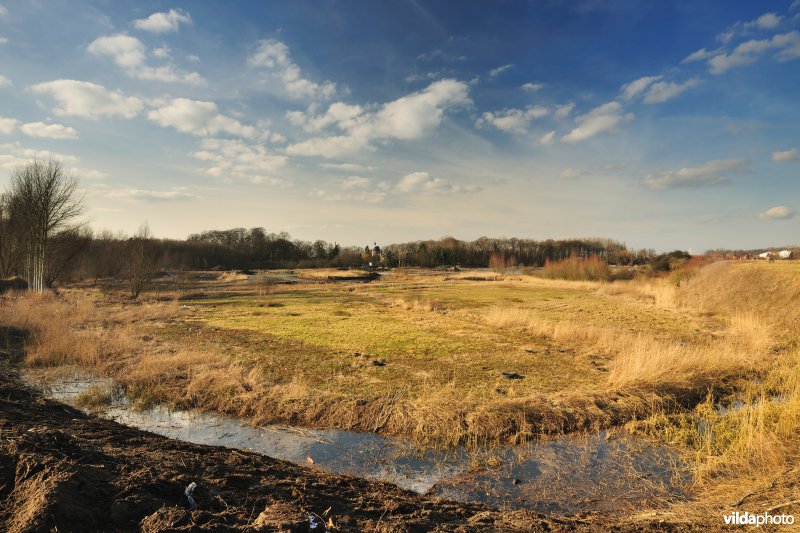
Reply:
x=237 y=160
x=7 y=125
x=548 y=137
x=662 y=91
x=4 y=81
x=423 y=183
x=602 y=119
x=149 y=195
x=273 y=56
x=499 y=70
x=792 y=154
x=636 y=87
x=748 y=52
x=198 y=118
x=163 y=22
x=88 y=100
x=706 y=174
x=344 y=116
x=779 y=212
x=48 y=131
x=409 y=117
x=129 y=53
x=512 y=120
x=126 y=51
x=767 y=21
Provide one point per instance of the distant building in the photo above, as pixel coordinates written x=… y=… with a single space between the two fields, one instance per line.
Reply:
x=373 y=254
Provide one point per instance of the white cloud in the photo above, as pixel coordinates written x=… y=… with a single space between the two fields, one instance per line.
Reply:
x=7 y=125
x=342 y=115
x=354 y=182
x=700 y=55
x=235 y=159
x=15 y=154
x=572 y=173
x=792 y=154
x=749 y=52
x=3 y=40
x=48 y=131
x=415 y=115
x=88 y=100
x=130 y=53
x=605 y=118
x=512 y=120
x=532 y=86
x=548 y=137
x=499 y=70
x=370 y=197
x=162 y=52
x=3 y=11
x=274 y=56
x=4 y=81
x=709 y=173
x=163 y=22
x=424 y=183
x=126 y=51
x=768 y=21
x=148 y=195
x=347 y=167
x=563 y=111
x=662 y=91
x=779 y=212
x=330 y=147
x=409 y=117
x=636 y=87
x=198 y=118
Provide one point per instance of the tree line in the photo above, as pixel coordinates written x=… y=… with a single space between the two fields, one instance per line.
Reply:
x=42 y=241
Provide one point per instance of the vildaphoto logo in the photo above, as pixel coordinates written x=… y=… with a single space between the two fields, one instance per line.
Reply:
x=758 y=520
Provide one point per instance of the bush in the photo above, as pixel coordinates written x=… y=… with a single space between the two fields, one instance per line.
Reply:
x=593 y=268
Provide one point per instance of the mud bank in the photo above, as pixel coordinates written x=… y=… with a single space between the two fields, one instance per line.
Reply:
x=62 y=469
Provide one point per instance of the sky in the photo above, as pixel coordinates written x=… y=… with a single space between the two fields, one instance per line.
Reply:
x=666 y=125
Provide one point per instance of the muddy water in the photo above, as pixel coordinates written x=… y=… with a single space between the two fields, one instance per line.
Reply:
x=565 y=475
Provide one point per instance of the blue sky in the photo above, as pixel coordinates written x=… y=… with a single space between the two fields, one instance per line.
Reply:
x=662 y=124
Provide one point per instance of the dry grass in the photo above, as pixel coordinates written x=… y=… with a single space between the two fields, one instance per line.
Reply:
x=626 y=353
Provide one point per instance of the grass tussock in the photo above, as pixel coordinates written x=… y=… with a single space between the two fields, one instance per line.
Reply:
x=574 y=268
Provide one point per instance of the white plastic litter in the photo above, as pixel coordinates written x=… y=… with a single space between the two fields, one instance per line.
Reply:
x=188 y=492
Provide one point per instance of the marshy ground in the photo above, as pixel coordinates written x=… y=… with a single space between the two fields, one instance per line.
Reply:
x=710 y=365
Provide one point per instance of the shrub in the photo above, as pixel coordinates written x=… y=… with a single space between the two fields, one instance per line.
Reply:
x=592 y=268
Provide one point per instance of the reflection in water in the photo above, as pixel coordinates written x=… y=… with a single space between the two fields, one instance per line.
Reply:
x=563 y=475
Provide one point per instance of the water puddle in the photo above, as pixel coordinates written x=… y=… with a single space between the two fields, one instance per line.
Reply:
x=564 y=475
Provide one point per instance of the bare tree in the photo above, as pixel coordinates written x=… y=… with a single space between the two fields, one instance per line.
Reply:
x=140 y=260
x=44 y=201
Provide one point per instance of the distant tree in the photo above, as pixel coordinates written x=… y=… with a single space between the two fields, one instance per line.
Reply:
x=44 y=201
x=10 y=237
